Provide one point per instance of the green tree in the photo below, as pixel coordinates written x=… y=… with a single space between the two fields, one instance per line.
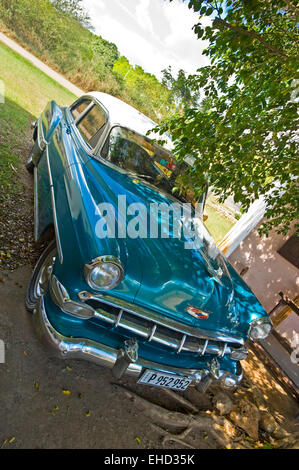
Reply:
x=122 y=66
x=145 y=90
x=182 y=95
x=104 y=55
x=73 y=9
x=245 y=136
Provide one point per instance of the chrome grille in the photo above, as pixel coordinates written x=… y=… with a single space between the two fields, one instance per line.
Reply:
x=157 y=329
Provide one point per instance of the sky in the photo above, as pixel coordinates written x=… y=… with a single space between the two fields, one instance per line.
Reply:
x=151 y=33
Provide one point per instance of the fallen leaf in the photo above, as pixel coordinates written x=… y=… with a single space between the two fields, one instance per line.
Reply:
x=66 y=392
x=4 y=442
x=267 y=446
x=68 y=368
x=138 y=440
x=36 y=385
x=87 y=413
x=11 y=440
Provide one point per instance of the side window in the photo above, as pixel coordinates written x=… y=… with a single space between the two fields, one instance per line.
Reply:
x=78 y=108
x=92 y=124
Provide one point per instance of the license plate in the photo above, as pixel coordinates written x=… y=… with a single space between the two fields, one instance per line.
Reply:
x=159 y=379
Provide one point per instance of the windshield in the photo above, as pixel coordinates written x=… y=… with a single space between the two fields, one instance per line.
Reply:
x=141 y=158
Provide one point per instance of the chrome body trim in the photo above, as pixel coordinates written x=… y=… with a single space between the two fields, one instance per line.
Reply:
x=182 y=343
x=205 y=347
x=81 y=348
x=35 y=198
x=152 y=332
x=161 y=319
x=145 y=327
x=57 y=236
x=42 y=143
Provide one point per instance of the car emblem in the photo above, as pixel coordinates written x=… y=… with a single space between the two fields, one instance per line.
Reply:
x=197 y=313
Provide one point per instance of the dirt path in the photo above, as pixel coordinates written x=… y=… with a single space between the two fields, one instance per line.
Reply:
x=40 y=65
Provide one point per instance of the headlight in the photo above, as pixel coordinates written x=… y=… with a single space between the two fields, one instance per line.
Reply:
x=104 y=273
x=260 y=328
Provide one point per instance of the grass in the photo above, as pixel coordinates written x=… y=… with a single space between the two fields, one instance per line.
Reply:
x=27 y=91
x=217 y=224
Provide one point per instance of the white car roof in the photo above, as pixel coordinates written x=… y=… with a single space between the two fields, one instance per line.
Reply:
x=123 y=114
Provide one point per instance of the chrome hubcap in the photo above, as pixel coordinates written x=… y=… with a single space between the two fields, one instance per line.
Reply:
x=44 y=274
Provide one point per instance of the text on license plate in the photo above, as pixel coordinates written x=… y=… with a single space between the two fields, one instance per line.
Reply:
x=158 y=379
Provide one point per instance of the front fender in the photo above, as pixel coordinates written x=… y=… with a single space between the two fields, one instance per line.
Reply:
x=75 y=216
x=248 y=306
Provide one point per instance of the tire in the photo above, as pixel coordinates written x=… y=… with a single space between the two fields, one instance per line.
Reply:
x=29 y=165
x=40 y=277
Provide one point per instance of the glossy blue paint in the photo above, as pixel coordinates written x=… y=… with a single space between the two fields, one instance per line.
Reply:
x=160 y=274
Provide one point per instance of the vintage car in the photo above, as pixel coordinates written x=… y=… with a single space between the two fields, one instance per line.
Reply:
x=142 y=302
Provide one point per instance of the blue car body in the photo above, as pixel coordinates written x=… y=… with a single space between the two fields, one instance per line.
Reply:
x=161 y=278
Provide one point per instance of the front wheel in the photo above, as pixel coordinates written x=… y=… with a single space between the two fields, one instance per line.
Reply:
x=29 y=164
x=35 y=151
x=40 y=276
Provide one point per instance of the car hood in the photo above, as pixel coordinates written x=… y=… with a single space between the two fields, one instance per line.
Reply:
x=170 y=278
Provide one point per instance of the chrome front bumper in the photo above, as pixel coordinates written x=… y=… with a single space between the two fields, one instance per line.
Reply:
x=80 y=348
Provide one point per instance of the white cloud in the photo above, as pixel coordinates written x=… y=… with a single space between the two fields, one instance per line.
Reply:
x=150 y=33
x=143 y=16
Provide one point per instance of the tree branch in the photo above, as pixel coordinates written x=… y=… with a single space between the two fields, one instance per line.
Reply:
x=219 y=23
x=291 y=8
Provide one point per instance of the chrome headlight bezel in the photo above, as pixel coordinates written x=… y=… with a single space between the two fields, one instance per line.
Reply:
x=260 y=328
x=112 y=261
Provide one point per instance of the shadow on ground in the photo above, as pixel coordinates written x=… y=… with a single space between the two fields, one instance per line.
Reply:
x=33 y=408
x=16 y=194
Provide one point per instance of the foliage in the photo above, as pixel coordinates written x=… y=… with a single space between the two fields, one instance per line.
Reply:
x=183 y=94
x=244 y=136
x=21 y=107
x=56 y=32
x=144 y=88
x=73 y=9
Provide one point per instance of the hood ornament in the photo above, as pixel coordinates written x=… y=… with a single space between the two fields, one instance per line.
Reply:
x=197 y=313
x=219 y=272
